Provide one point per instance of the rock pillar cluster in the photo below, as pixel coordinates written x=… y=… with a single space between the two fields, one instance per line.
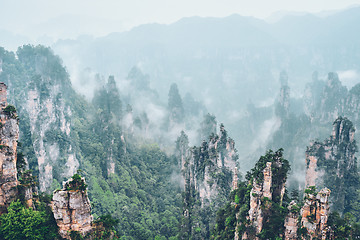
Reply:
x=200 y=166
x=333 y=164
x=268 y=188
x=209 y=172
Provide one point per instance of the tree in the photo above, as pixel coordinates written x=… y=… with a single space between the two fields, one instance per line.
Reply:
x=25 y=223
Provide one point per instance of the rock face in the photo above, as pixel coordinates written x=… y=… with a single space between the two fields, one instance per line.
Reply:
x=267 y=189
x=258 y=193
x=72 y=209
x=327 y=100
x=109 y=106
x=182 y=153
x=291 y=222
x=208 y=173
x=333 y=164
x=314 y=213
x=49 y=118
x=202 y=165
x=9 y=134
x=41 y=90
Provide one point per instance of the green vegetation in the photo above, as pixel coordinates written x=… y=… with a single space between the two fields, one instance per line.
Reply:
x=76 y=183
x=131 y=182
x=199 y=214
x=226 y=222
x=344 y=227
x=341 y=171
x=274 y=210
x=10 y=110
x=25 y=223
x=139 y=192
x=311 y=190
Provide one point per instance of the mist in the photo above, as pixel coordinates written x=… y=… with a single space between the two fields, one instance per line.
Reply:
x=225 y=59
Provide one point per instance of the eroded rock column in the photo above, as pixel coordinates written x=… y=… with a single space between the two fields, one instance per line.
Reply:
x=9 y=134
x=72 y=209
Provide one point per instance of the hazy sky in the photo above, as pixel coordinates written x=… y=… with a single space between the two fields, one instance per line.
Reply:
x=23 y=15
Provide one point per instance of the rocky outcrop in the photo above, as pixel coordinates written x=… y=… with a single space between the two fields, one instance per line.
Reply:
x=182 y=150
x=333 y=164
x=72 y=208
x=235 y=179
x=9 y=134
x=314 y=213
x=50 y=127
x=42 y=92
x=291 y=221
x=260 y=193
x=218 y=156
x=268 y=180
x=208 y=172
x=327 y=100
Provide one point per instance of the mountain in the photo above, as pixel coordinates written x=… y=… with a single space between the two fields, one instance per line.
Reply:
x=60 y=133
x=136 y=114
x=243 y=56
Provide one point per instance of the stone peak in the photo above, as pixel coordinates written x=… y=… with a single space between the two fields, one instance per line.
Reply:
x=343 y=130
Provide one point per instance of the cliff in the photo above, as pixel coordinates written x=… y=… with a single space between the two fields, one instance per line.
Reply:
x=258 y=194
x=203 y=165
x=50 y=127
x=209 y=172
x=324 y=101
x=291 y=221
x=315 y=213
x=9 y=134
x=333 y=98
x=333 y=164
x=268 y=180
x=72 y=208
x=41 y=89
x=261 y=209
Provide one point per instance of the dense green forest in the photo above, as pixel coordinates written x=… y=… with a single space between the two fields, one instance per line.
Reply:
x=138 y=190
x=145 y=184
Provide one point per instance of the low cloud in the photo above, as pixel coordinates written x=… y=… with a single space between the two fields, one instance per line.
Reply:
x=349 y=78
